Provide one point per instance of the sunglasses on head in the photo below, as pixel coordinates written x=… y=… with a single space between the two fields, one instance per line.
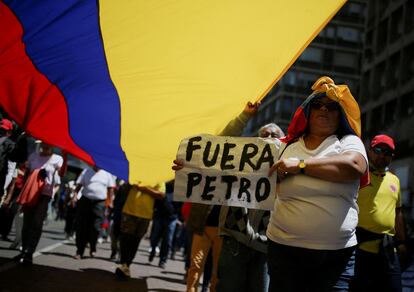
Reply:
x=386 y=152
x=330 y=106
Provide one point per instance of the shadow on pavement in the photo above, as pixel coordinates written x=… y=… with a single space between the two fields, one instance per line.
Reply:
x=167 y=279
x=54 y=238
x=107 y=259
x=86 y=256
x=60 y=254
x=56 y=232
x=42 y=278
x=172 y=273
x=6 y=248
x=143 y=264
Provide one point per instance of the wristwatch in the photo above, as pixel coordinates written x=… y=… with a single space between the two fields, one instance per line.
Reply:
x=302 y=166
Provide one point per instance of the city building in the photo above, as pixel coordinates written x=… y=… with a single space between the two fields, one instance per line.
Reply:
x=387 y=85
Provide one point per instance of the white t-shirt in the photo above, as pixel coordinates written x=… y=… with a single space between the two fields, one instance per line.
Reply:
x=51 y=164
x=95 y=184
x=314 y=213
x=11 y=170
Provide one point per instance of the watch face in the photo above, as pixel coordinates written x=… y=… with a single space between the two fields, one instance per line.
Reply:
x=302 y=164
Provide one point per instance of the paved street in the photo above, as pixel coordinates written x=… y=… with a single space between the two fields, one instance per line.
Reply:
x=55 y=270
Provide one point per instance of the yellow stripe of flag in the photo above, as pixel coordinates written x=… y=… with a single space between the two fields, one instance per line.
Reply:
x=183 y=67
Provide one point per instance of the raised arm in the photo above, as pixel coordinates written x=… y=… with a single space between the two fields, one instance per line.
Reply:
x=236 y=126
x=156 y=194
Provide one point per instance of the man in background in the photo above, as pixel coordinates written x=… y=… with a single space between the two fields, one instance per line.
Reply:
x=380 y=229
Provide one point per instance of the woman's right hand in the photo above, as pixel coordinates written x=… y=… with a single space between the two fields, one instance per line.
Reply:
x=178 y=164
x=283 y=167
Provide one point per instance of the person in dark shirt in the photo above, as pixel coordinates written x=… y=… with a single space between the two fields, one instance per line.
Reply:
x=10 y=151
x=121 y=195
x=7 y=151
x=163 y=224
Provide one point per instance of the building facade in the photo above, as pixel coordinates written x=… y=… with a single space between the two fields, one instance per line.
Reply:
x=387 y=85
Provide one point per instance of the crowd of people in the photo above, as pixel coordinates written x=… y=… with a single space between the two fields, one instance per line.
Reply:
x=337 y=222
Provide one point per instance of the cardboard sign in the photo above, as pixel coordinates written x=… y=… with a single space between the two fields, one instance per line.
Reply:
x=229 y=171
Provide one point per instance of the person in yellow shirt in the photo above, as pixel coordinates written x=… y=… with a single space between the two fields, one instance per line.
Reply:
x=381 y=228
x=136 y=216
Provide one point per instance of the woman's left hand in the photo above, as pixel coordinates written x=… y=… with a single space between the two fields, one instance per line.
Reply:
x=285 y=167
x=251 y=108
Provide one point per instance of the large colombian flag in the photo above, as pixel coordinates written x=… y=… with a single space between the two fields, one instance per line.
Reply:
x=120 y=83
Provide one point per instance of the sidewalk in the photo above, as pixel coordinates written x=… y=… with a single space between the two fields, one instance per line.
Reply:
x=54 y=269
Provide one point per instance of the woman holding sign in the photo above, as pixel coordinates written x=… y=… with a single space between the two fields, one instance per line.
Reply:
x=321 y=161
x=203 y=220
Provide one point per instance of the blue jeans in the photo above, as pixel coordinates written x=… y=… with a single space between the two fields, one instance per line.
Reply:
x=241 y=268
x=162 y=229
x=300 y=269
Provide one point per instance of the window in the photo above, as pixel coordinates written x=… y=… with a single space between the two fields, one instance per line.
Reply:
x=365 y=88
x=369 y=38
x=287 y=107
x=328 y=32
x=355 y=8
x=351 y=11
x=407 y=105
x=383 y=4
x=348 y=34
x=371 y=11
x=277 y=106
x=328 y=57
x=306 y=80
x=393 y=72
x=268 y=112
x=353 y=87
x=376 y=119
x=343 y=59
x=396 y=24
x=379 y=81
x=409 y=16
x=259 y=117
x=364 y=122
x=289 y=78
x=408 y=63
x=312 y=55
x=382 y=33
x=391 y=111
